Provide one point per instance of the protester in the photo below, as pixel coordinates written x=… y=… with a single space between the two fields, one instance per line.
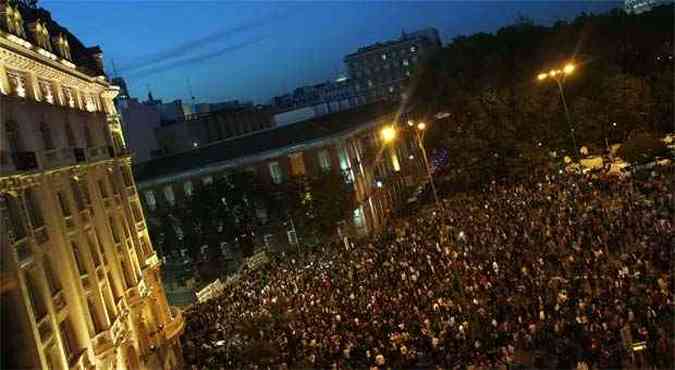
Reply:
x=561 y=271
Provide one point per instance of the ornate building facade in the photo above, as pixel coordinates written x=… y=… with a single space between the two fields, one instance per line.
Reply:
x=80 y=282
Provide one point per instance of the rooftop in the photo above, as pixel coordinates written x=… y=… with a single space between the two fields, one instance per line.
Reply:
x=263 y=141
x=83 y=57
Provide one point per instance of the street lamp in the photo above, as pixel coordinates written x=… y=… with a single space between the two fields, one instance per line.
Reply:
x=558 y=75
x=388 y=134
x=419 y=133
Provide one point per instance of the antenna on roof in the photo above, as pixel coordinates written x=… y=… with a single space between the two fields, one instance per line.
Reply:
x=189 y=86
x=114 y=67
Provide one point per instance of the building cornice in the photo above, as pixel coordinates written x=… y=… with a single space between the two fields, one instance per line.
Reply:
x=28 y=57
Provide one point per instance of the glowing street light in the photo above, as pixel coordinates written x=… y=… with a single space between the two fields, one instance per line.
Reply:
x=558 y=76
x=388 y=134
x=419 y=131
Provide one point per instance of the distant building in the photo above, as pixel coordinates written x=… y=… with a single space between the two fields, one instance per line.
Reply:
x=80 y=283
x=641 y=6
x=140 y=121
x=382 y=70
x=193 y=131
x=122 y=84
x=312 y=101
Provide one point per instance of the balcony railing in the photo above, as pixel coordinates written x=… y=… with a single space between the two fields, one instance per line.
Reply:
x=103 y=342
x=59 y=301
x=41 y=235
x=56 y=158
x=175 y=326
x=45 y=329
x=152 y=261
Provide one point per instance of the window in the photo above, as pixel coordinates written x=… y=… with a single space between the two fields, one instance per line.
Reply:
x=63 y=46
x=15 y=215
x=136 y=211
x=413 y=49
x=106 y=135
x=98 y=243
x=107 y=299
x=33 y=208
x=95 y=317
x=69 y=97
x=17 y=83
x=103 y=188
x=42 y=36
x=115 y=289
x=93 y=248
x=77 y=194
x=113 y=229
x=128 y=275
x=68 y=339
x=35 y=294
x=46 y=91
x=208 y=180
x=46 y=135
x=370 y=83
x=52 y=280
x=88 y=139
x=168 y=194
x=150 y=200
x=384 y=56
x=324 y=160
x=275 y=172
x=79 y=259
x=84 y=186
x=63 y=202
x=405 y=62
x=297 y=164
x=126 y=175
x=187 y=187
x=14 y=21
x=13 y=137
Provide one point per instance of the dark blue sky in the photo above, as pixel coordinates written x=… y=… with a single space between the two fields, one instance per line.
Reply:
x=255 y=50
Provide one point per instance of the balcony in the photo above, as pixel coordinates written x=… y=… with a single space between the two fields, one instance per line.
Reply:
x=133 y=296
x=152 y=261
x=45 y=329
x=85 y=216
x=70 y=223
x=59 y=301
x=41 y=235
x=140 y=226
x=55 y=158
x=86 y=282
x=176 y=326
x=102 y=343
x=118 y=328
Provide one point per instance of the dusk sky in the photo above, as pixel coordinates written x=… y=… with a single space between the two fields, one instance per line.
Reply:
x=255 y=50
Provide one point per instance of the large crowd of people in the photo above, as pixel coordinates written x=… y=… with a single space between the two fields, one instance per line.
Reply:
x=559 y=272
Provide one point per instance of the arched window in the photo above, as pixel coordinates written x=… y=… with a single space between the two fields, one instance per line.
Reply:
x=64 y=47
x=46 y=136
x=14 y=21
x=42 y=35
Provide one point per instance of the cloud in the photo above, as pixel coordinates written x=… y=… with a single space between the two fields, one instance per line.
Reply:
x=145 y=72
x=188 y=47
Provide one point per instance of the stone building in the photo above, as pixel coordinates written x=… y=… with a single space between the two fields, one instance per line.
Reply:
x=80 y=281
x=382 y=70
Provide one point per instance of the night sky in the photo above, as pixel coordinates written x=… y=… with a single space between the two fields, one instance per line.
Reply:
x=255 y=50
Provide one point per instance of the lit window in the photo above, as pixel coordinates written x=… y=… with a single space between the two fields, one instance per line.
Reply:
x=413 y=49
x=275 y=172
x=42 y=35
x=150 y=200
x=384 y=56
x=17 y=83
x=68 y=97
x=370 y=83
x=46 y=91
x=297 y=164
x=324 y=160
x=405 y=62
x=208 y=180
x=15 y=21
x=64 y=47
x=168 y=194
x=391 y=89
x=187 y=187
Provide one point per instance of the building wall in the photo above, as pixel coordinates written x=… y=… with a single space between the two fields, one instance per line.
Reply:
x=78 y=269
x=384 y=69
x=140 y=122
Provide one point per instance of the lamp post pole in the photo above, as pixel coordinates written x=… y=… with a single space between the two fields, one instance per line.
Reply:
x=420 y=143
x=558 y=75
